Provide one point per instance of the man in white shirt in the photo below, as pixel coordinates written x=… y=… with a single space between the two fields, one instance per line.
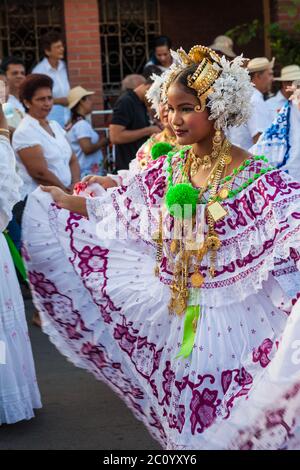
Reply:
x=287 y=76
x=14 y=70
x=53 y=66
x=261 y=72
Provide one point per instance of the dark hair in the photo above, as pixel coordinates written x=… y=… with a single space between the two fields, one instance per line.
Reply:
x=75 y=115
x=162 y=41
x=2 y=72
x=11 y=61
x=148 y=71
x=32 y=83
x=50 y=38
x=182 y=78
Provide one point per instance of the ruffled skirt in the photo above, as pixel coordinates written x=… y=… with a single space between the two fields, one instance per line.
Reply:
x=19 y=393
x=106 y=312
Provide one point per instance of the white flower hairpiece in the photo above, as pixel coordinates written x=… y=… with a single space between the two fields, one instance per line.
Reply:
x=229 y=102
x=155 y=94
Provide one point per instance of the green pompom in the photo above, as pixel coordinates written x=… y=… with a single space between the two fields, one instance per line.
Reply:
x=159 y=149
x=181 y=200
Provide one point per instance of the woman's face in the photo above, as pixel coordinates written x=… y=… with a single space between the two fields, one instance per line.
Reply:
x=163 y=55
x=41 y=103
x=188 y=125
x=56 y=51
x=86 y=105
x=163 y=114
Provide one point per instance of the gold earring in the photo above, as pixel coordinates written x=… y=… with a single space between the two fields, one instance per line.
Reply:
x=198 y=109
x=217 y=144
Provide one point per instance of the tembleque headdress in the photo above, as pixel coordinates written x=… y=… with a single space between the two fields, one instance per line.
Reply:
x=223 y=86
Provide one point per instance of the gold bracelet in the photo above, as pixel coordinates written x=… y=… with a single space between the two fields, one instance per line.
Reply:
x=4 y=130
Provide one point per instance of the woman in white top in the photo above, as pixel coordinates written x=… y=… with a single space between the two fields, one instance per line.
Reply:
x=85 y=141
x=44 y=155
x=19 y=393
x=54 y=66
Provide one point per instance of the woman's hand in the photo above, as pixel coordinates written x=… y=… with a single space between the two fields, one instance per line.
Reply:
x=65 y=201
x=58 y=195
x=104 y=181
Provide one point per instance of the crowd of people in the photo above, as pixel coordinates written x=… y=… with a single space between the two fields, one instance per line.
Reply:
x=176 y=280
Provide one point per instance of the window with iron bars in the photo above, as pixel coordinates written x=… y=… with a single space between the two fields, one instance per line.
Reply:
x=23 y=23
x=127 y=32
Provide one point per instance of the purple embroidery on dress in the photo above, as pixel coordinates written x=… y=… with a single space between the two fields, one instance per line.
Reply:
x=261 y=354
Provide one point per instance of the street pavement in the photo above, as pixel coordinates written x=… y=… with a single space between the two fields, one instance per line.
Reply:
x=78 y=411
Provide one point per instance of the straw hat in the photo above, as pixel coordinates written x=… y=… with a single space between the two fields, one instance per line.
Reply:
x=223 y=44
x=76 y=94
x=289 y=74
x=259 y=64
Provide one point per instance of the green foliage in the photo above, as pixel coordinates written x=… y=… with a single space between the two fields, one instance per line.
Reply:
x=284 y=44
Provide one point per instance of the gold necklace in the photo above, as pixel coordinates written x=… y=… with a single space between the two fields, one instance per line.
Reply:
x=181 y=249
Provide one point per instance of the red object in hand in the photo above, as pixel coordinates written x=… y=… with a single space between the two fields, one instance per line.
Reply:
x=79 y=187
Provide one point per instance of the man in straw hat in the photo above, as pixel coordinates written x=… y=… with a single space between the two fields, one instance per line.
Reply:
x=224 y=46
x=261 y=72
x=287 y=76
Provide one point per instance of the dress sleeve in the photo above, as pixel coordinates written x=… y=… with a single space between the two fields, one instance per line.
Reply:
x=21 y=140
x=133 y=209
x=10 y=182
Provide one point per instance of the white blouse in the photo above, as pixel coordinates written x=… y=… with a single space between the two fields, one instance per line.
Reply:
x=57 y=151
x=10 y=182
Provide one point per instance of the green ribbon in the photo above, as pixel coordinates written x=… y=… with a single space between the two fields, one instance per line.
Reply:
x=192 y=315
x=17 y=258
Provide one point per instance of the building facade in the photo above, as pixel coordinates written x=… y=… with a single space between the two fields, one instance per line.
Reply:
x=108 y=39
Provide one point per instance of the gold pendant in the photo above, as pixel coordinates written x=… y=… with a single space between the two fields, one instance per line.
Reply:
x=223 y=193
x=156 y=236
x=213 y=243
x=173 y=246
x=227 y=159
x=197 y=279
x=216 y=211
x=194 y=168
x=206 y=162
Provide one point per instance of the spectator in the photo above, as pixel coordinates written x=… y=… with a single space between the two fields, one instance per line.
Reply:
x=54 y=66
x=15 y=73
x=161 y=57
x=44 y=155
x=130 y=126
x=287 y=76
x=13 y=115
x=132 y=81
x=223 y=45
x=85 y=141
x=261 y=72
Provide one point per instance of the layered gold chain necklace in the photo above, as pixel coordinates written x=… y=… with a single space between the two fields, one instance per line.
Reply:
x=183 y=250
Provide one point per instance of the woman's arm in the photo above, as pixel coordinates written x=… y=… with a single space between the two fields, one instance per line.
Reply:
x=87 y=147
x=62 y=101
x=75 y=169
x=66 y=201
x=120 y=135
x=35 y=163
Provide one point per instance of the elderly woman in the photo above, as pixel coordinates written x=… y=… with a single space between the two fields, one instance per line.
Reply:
x=19 y=393
x=44 y=155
